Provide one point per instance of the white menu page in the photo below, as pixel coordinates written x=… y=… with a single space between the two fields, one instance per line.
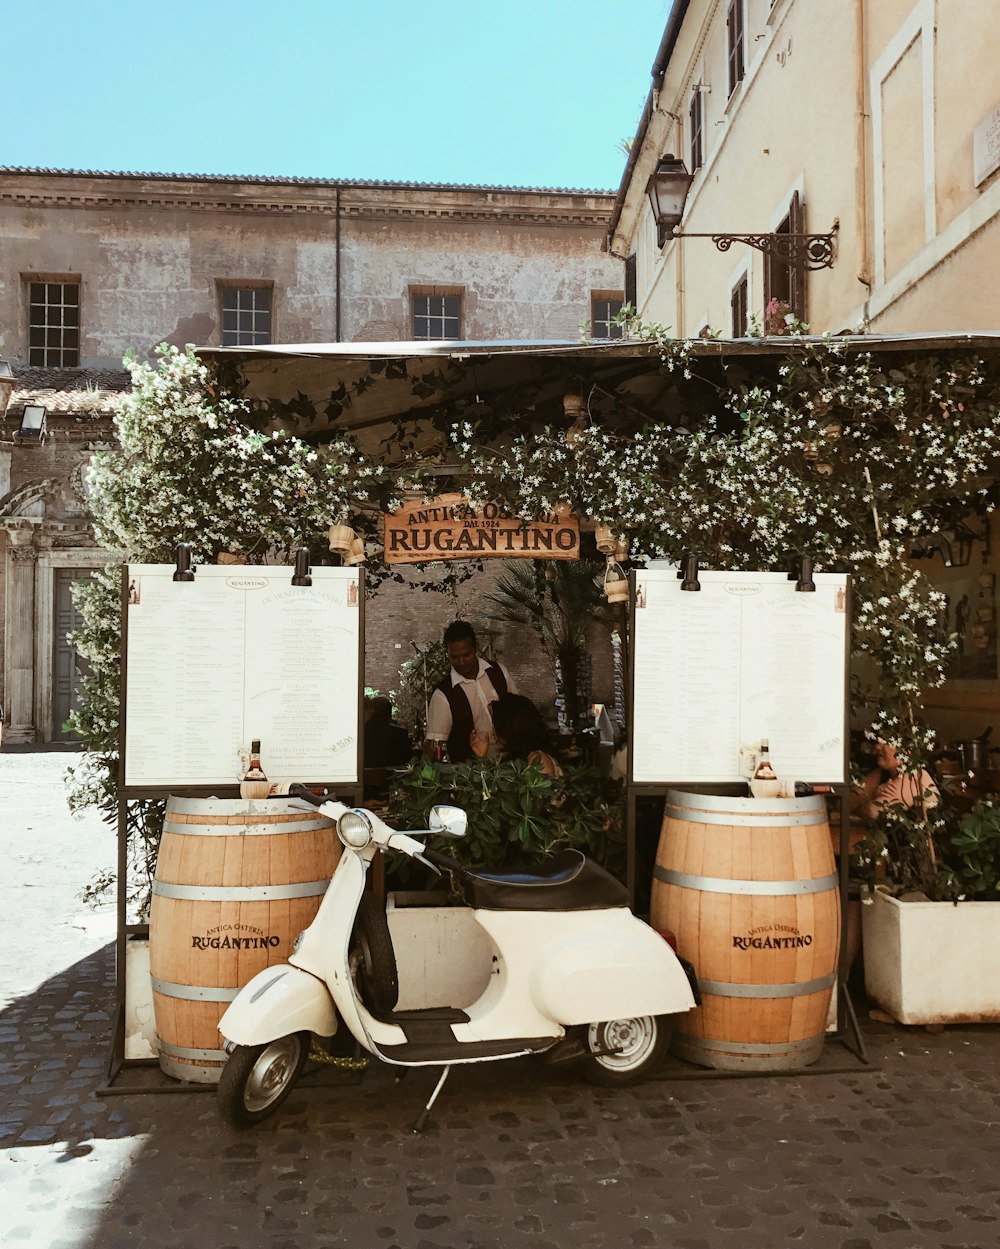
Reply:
x=240 y=653
x=746 y=658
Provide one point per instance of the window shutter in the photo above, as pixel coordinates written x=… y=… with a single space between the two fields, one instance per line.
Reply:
x=797 y=270
x=631 y=290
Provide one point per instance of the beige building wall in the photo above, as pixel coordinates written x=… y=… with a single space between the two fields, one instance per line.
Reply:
x=883 y=115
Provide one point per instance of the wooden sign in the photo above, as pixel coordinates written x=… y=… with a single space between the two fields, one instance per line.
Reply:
x=449 y=527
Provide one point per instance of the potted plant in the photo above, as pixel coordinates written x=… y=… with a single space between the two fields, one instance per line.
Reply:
x=931 y=924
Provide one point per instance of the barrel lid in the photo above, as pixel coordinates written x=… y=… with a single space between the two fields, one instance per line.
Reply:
x=730 y=804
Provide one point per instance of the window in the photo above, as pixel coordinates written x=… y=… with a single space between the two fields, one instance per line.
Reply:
x=784 y=279
x=604 y=307
x=436 y=313
x=54 y=324
x=739 y=303
x=246 y=315
x=696 y=121
x=734 y=28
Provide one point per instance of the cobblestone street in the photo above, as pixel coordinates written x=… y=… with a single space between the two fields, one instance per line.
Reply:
x=904 y=1155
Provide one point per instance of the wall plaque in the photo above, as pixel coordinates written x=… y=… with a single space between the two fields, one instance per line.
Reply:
x=449 y=527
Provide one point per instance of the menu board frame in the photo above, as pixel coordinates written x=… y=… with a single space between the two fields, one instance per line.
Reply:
x=836 y=684
x=128 y=788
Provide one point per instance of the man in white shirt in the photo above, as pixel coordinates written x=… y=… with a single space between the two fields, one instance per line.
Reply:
x=460 y=704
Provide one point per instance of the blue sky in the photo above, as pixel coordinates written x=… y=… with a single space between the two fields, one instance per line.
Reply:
x=523 y=92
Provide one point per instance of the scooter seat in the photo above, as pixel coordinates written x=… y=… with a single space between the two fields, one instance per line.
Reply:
x=568 y=881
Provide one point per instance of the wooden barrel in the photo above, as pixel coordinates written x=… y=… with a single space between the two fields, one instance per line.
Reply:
x=236 y=881
x=749 y=887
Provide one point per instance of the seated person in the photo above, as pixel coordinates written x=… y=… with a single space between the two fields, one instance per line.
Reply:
x=520 y=732
x=890 y=784
x=386 y=745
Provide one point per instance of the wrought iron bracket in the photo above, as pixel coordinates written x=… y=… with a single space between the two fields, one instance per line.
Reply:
x=812 y=251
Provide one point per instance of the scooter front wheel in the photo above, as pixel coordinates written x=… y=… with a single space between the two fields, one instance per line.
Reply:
x=624 y=1051
x=257 y=1078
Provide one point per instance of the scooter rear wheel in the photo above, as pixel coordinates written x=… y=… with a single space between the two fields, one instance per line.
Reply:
x=637 y=1046
x=257 y=1078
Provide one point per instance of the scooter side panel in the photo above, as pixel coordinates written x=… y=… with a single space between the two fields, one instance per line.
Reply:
x=586 y=977
x=276 y=1002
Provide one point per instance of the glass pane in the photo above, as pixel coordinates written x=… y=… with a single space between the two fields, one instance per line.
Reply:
x=36 y=336
x=71 y=315
x=53 y=337
x=228 y=319
x=36 y=357
x=71 y=338
x=262 y=300
x=36 y=292
x=246 y=321
x=71 y=294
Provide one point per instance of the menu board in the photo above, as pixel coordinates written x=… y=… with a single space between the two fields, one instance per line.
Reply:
x=745 y=659
x=236 y=654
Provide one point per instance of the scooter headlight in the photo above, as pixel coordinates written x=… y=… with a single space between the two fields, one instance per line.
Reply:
x=354 y=830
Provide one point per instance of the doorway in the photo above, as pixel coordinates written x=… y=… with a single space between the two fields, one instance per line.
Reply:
x=67 y=665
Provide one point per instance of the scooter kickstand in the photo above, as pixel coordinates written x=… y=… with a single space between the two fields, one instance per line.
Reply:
x=422 y=1117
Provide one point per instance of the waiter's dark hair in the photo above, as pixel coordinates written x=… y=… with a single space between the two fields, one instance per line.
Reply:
x=459 y=631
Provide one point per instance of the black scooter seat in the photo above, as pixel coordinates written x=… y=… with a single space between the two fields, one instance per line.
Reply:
x=568 y=881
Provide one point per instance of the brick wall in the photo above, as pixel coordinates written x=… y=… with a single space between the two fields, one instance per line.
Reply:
x=396 y=615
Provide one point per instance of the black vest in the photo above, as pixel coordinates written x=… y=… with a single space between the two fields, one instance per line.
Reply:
x=462 y=722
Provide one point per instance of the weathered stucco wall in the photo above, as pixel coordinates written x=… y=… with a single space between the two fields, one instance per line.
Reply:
x=150 y=254
x=150 y=257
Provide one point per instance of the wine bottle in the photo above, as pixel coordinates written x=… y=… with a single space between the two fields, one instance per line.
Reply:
x=255 y=783
x=764 y=770
x=764 y=783
x=804 y=790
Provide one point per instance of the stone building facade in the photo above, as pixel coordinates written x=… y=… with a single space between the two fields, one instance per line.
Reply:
x=94 y=265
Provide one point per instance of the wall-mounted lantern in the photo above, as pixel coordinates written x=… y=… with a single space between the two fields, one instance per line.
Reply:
x=667 y=190
x=32 y=423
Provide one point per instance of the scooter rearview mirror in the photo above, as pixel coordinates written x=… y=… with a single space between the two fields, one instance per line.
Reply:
x=448 y=821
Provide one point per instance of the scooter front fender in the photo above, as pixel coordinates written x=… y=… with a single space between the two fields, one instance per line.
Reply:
x=277 y=1001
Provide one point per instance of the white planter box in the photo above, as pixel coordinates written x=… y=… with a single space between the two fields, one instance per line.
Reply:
x=140 y=1029
x=933 y=962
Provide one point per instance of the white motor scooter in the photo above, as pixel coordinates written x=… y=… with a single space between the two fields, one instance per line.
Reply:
x=573 y=972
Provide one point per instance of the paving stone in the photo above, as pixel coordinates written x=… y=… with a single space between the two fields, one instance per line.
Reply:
x=904 y=1156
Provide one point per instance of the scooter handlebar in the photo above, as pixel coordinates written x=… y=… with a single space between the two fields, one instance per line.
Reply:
x=299 y=791
x=329 y=805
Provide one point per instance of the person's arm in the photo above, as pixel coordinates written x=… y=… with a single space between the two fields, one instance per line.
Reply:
x=438 y=722
x=863 y=799
x=907 y=789
x=544 y=763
